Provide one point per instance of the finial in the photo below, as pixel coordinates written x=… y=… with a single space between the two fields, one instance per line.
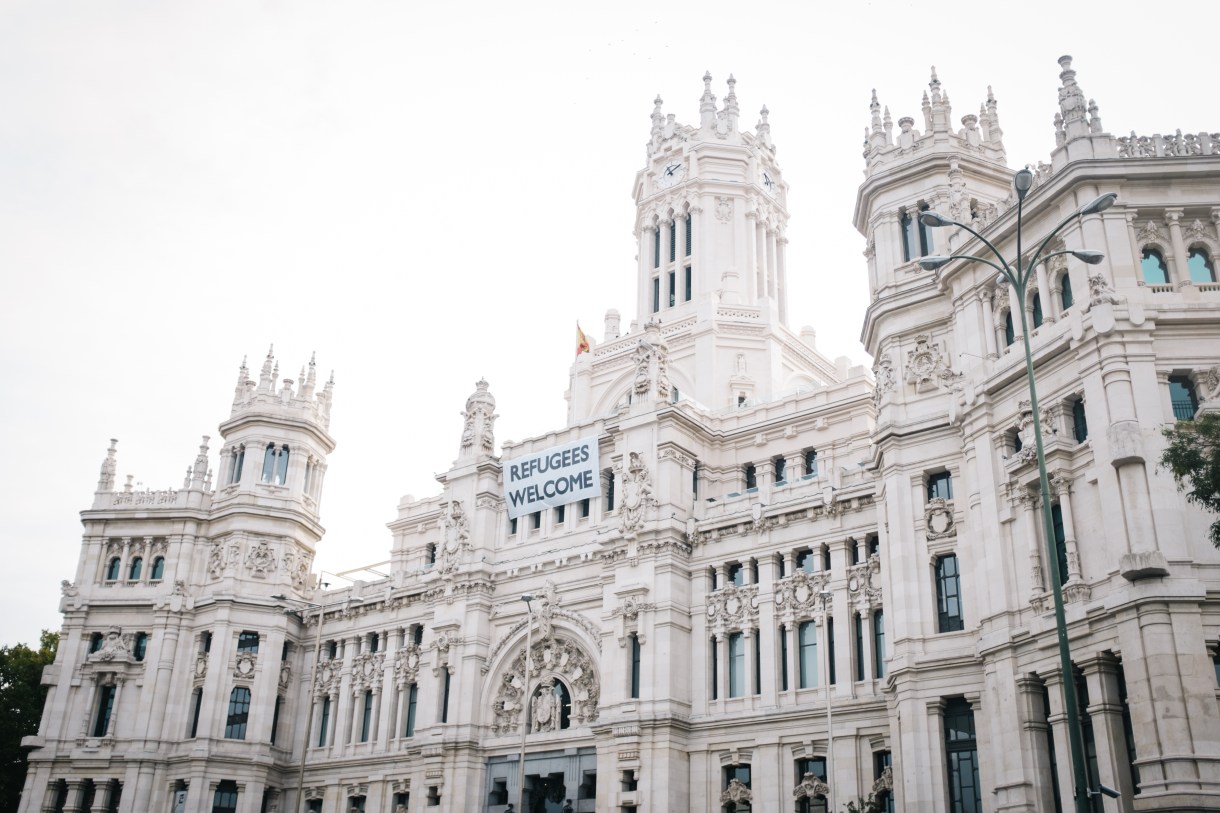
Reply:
x=874 y=103
x=732 y=83
x=990 y=95
x=763 y=114
x=707 y=80
x=935 y=82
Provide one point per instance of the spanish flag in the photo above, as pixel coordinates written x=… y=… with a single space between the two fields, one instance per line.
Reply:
x=582 y=343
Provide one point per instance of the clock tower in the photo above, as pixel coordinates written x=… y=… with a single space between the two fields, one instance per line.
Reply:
x=711 y=222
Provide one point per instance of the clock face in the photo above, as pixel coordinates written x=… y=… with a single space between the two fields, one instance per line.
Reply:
x=671 y=174
x=768 y=183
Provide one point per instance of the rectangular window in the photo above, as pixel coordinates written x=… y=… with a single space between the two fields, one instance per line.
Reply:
x=736 y=575
x=366 y=719
x=811 y=463
x=783 y=659
x=739 y=772
x=694 y=480
x=1182 y=397
x=826 y=558
x=961 y=757
x=239 y=714
x=512 y=527
x=560 y=514
x=1080 y=426
x=910 y=236
x=940 y=486
x=757 y=667
x=105 y=706
x=948 y=595
x=205 y=642
x=656 y=247
x=781 y=466
x=247 y=642
x=656 y=294
x=687 y=286
x=635 y=667
x=688 y=240
x=673 y=288
x=225 y=798
x=808 y=654
x=535 y=521
x=1061 y=551
x=715 y=670
x=751 y=477
x=737 y=664
x=275 y=718
x=859 y=647
x=609 y=490
x=412 y=702
x=831 y=673
x=325 y=722
x=584 y=508
x=445 y=679
x=673 y=241
x=805 y=560
x=196 y=703
x=879 y=644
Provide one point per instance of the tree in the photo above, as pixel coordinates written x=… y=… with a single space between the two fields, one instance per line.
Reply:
x=21 y=699
x=1193 y=457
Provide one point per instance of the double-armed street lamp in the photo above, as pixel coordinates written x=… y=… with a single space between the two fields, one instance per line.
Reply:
x=528 y=598
x=1019 y=278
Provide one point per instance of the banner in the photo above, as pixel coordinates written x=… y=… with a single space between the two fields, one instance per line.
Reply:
x=551 y=478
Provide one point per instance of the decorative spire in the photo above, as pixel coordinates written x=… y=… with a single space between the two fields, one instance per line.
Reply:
x=731 y=110
x=875 y=108
x=309 y=377
x=105 y=481
x=265 y=380
x=479 y=423
x=888 y=124
x=707 y=103
x=243 y=382
x=199 y=472
x=763 y=128
x=1071 y=102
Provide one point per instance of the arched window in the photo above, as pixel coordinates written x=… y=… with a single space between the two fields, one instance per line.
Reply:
x=1037 y=310
x=158 y=569
x=1065 y=291
x=95 y=642
x=275 y=465
x=113 y=569
x=239 y=460
x=239 y=714
x=1010 y=333
x=141 y=646
x=1200 y=265
x=133 y=573
x=1153 y=267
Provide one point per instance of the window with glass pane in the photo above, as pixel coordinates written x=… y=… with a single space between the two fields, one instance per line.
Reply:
x=105 y=707
x=783 y=659
x=1200 y=265
x=635 y=666
x=141 y=646
x=225 y=798
x=737 y=664
x=686 y=294
x=1152 y=265
x=811 y=463
x=1037 y=310
x=807 y=654
x=412 y=702
x=325 y=722
x=1080 y=425
x=781 y=466
x=715 y=670
x=366 y=718
x=239 y=714
x=673 y=288
x=133 y=573
x=859 y=624
x=1061 y=551
x=751 y=476
x=196 y=704
x=817 y=767
x=879 y=644
x=910 y=237
x=1182 y=397
x=940 y=485
x=688 y=244
x=113 y=569
x=247 y=642
x=805 y=561
x=1086 y=734
x=158 y=569
x=961 y=757
x=673 y=241
x=884 y=798
x=948 y=595
x=831 y=669
x=1065 y=291
x=742 y=774
x=656 y=294
x=656 y=247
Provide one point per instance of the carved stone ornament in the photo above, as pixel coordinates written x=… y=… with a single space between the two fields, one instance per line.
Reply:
x=478 y=429
x=328 y=677
x=285 y=674
x=217 y=560
x=798 y=595
x=244 y=665
x=201 y=665
x=406 y=665
x=637 y=495
x=885 y=378
x=864 y=583
x=260 y=560
x=1101 y=292
x=733 y=608
x=735 y=792
x=885 y=781
x=296 y=565
x=938 y=519
x=1208 y=382
x=1151 y=232
x=651 y=359
x=558 y=658
x=1025 y=431
x=810 y=787
x=545 y=708
x=367 y=668
x=116 y=646
x=926 y=366
x=724 y=209
x=457 y=537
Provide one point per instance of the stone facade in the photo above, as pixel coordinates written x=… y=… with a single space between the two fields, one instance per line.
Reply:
x=798 y=578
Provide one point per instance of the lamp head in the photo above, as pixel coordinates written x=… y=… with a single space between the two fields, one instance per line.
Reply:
x=528 y=598
x=1089 y=257
x=1102 y=203
x=1023 y=181
x=932 y=262
x=934 y=219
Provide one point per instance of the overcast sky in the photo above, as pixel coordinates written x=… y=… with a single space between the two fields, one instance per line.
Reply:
x=428 y=193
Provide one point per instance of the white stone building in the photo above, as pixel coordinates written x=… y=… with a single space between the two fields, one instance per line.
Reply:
x=781 y=546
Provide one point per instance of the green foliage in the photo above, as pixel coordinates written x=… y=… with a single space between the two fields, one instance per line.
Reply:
x=21 y=699
x=1193 y=457
x=869 y=804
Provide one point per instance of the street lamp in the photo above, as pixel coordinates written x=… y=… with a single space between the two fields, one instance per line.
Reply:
x=1019 y=279
x=313 y=679
x=528 y=598
x=826 y=596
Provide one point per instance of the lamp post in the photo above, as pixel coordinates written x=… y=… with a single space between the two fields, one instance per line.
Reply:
x=313 y=680
x=826 y=596
x=528 y=598
x=1019 y=278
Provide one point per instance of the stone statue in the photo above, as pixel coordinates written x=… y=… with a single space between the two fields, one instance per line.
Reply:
x=545 y=708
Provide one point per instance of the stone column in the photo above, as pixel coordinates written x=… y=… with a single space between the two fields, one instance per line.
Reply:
x=1106 y=712
x=1034 y=731
x=771 y=252
x=50 y=801
x=936 y=766
x=750 y=272
x=1031 y=519
x=722 y=666
x=760 y=262
x=1178 y=270
x=1061 y=487
x=76 y=796
x=867 y=642
x=1044 y=296
x=782 y=278
x=1015 y=307
x=112 y=723
x=1057 y=719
